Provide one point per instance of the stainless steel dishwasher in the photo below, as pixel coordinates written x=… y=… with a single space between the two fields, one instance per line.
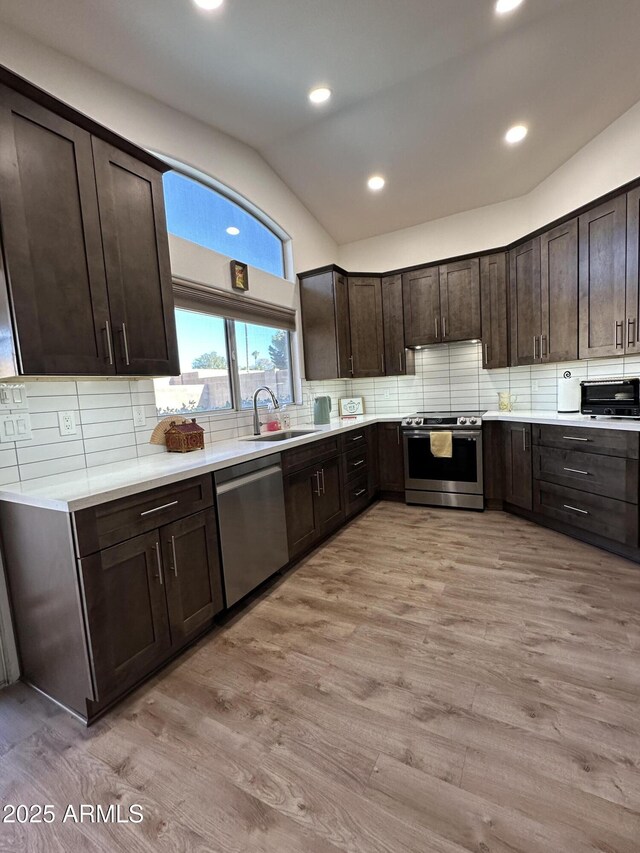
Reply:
x=253 y=525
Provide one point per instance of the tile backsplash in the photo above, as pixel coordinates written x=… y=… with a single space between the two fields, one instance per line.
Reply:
x=448 y=376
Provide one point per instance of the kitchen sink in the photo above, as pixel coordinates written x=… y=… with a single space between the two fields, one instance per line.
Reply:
x=282 y=436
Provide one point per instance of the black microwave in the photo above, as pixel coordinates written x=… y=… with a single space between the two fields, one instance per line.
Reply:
x=618 y=398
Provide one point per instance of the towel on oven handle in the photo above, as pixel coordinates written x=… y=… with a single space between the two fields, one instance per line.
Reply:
x=442 y=444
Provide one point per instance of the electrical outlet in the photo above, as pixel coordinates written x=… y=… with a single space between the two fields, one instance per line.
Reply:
x=387 y=394
x=139 y=417
x=67 y=423
x=535 y=385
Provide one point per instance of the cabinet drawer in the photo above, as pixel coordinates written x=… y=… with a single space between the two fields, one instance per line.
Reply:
x=609 y=476
x=606 y=517
x=356 y=495
x=354 y=438
x=310 y=454
x=356 y=462
x=107 y=524
x=609 y=442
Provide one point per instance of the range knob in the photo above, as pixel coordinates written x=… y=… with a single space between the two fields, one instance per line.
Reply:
x=409 y=421
x=419 y=421
x=462 y=421
x=473 y=420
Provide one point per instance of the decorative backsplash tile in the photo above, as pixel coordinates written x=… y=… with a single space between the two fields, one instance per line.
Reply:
x=448 y=376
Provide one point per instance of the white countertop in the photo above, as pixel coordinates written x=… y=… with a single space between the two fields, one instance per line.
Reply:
x=80 y=489
x=572 y=420
x=89 y=487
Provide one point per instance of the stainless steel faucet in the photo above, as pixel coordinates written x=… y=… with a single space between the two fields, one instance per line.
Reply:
x=276 y=405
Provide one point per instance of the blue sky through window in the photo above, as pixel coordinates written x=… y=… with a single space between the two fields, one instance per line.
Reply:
x=198 y=213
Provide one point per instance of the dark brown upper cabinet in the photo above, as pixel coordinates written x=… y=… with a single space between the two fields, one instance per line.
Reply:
x=602 y=281
x=460 y=300
x=421 y=297
x=495 y=303
x=524 y=285
x=136 y=252
x=54 y=269
x=85 y=247
x=559 y=293
x=366 y=328
x=324 y=302
x=398 y=360
x=632 y=299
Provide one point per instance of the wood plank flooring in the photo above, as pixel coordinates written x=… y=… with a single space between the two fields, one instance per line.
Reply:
x=429 y=681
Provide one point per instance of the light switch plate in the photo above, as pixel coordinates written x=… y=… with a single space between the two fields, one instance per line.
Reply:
x=15 y=427
x=13 y=397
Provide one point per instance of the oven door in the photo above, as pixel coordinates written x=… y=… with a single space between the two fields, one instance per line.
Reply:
x=461 y=474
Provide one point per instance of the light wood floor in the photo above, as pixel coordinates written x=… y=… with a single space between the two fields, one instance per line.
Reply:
x=429 y=681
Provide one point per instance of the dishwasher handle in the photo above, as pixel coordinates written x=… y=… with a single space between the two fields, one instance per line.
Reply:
x=248 y=478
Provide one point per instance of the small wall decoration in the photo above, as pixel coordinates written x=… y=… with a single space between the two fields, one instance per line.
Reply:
x=351 y=406
x=239 y=276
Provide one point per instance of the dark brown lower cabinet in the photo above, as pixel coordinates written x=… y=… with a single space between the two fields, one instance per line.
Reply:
x=314 y=504
x=390 y=458
x=127 y=619
x=518 y=466
x=192 y=574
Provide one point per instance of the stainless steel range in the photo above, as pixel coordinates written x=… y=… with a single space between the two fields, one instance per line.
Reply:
x=443 y=480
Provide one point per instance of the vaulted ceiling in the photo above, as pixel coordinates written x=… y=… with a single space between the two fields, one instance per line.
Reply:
x=423 y=89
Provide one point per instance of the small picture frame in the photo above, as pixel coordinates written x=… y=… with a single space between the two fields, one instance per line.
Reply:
x=350 y=407
x=239 y=276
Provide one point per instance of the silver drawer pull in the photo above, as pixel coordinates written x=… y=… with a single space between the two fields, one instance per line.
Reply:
x=361 y=492
x=359 y=462
x=356 y=438
x=175 y=559
x=159 y=564
x=576 y=509
x=575 y=438
x=576 y=471
x=158 y=509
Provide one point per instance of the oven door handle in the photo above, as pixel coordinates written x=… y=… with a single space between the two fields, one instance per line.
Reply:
x=456 y=433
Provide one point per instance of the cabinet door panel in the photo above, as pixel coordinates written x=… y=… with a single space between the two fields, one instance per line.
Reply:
x=330 y=502
x=398 y=361
x=194 y=588
x=460 y=300
x=602 y=279
x=524 y=283
x=495 y=332
x=301 y=490
x=52 y=243
x=136 y=252
x=127 y=619
x=390 y=458
x=365 y=318
x=421 y=297
x=559 y=292
x=518 y=465
x=632 y=332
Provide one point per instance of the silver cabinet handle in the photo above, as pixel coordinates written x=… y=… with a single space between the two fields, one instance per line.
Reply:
x=159 y=562
x=360 y=492
x=618 y=325
x=318 y=492
x=486 y=353
x=576 y=471
x=575 y=509
x=535 y=347
x=574 y=438
x=125 y=344
x=382 y=363
x=400 y=361
x=524 y=438
x=322 y=475
x=107 y=329
x=158 y=509
x=437 y=322
x=357 y=437
x=359 y=462
x=351 y=364
x=173 y=554
x=444 y=327
x=543 y=346
x=398 y=433
x=631 y=338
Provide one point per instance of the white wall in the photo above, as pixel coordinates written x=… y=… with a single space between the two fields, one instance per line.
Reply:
x=612 y=158
x=157 y=127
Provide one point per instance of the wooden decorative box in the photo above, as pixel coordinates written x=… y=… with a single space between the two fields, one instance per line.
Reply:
x=183 y=438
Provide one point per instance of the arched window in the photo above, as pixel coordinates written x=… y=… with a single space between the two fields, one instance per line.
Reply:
x=199 y=213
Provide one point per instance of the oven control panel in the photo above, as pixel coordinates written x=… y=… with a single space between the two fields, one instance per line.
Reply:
x=442 y=421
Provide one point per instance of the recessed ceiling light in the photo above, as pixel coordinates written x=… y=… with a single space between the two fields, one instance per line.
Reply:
x=504 y=6
x=320 y=95
x=375 y=182
x=516 y=134
x=233 y=230
x=209 y=5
